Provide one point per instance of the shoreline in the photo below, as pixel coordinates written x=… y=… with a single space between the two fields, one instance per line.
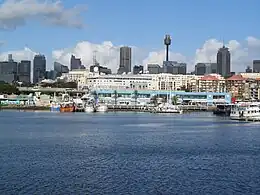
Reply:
x=110 y=109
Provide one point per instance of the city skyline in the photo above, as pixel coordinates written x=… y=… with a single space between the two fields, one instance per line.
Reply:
x=242 y=38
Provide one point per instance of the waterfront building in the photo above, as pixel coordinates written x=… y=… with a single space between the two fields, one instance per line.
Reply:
x=128 y=97
x=79 y=76
x=161 y=81
x=211 y=83
x=125 y=81
x=236 y=86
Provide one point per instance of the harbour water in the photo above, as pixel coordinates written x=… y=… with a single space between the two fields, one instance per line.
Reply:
x=127 y=153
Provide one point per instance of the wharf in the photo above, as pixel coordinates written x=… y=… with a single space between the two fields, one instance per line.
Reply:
x=138 y=108
x=23 y=107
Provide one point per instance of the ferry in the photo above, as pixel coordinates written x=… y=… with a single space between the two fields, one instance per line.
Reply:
x=244 y=110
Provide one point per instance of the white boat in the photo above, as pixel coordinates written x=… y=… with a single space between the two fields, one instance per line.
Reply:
x=245 y=110
x=102 y=108
x=168 y=108
x=89 y=109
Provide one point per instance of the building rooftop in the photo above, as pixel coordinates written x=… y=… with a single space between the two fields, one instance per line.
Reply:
x=209 y=78
x=236 y=78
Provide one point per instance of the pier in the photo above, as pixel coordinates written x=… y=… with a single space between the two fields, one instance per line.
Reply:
x=139 y=108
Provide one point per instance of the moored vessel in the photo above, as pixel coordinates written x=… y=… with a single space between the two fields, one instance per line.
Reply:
x=245 y=110
x=168 y=108
x=67 y=107
x=101 y=108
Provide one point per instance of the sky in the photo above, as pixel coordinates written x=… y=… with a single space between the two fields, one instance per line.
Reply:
x=198 y=28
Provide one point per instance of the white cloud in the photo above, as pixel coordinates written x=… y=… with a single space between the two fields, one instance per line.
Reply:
x=108 y=54
x=16 y=13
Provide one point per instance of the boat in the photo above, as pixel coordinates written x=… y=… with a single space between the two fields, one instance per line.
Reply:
x=79 y=106
x=244 y=110
x=67 y=107
x=89 y=109
x=55 y=107
x=101 y=108
x=223 y=110
x=168 y=108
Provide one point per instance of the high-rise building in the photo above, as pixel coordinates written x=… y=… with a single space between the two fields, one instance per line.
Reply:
x=249 y=69
x=223 y=62
x=60 y=68
x=205 y=68
x=256 y=66
x=154 y=68
x=8 y=71
x=10 y=57
x=173 y=67
x=75 y=63
x=39 y=68
x=125 y=60
x=24 y=71
x=138 y=69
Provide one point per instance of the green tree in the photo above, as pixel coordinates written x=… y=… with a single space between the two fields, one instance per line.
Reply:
x=6 y=88
x=174 y=100
x=135 y=96
x=115 y=96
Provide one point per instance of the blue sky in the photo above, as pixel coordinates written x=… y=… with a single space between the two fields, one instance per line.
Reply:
x=143 y=23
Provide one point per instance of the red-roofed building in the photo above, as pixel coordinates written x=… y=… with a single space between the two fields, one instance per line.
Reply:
x=211 y=83
x=236 y=86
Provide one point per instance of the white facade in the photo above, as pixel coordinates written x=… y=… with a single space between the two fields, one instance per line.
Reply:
x=166 y=81
x=161 y=81
x=127 y=81
x=78 y=76
x=250 y=75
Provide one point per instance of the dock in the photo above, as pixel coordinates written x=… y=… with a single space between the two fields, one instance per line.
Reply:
x=139 y=108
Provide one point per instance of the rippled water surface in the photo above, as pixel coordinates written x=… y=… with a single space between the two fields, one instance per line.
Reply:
x=127 y=153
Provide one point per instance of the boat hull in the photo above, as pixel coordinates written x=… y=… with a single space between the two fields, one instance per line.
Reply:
x=102 y=108
x=89 y=109
x=67 y=109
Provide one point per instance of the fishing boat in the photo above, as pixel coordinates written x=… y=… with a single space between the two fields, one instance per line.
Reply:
x=67 y=107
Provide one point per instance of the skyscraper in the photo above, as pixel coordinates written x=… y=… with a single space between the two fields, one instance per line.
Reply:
x=223 y=62
x=60 y=68
x=256 y=66
x=125 y=60
x=39 y=68
x=24 y=71
x=75 y=63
